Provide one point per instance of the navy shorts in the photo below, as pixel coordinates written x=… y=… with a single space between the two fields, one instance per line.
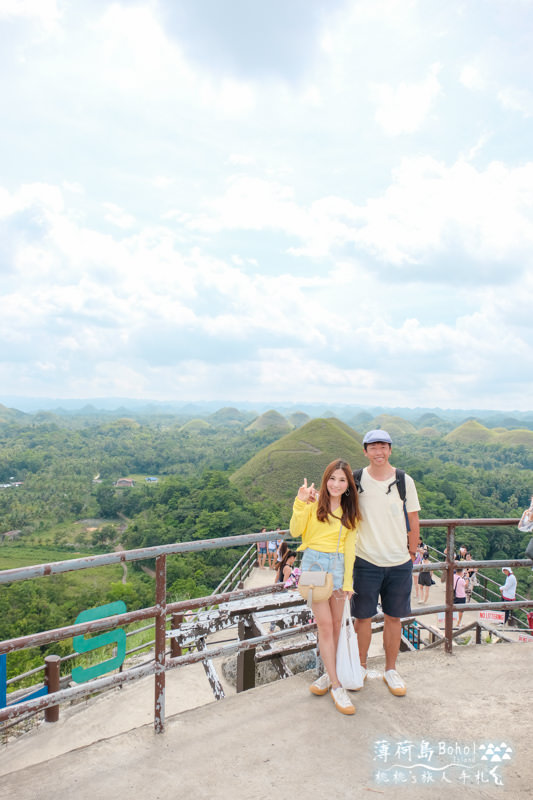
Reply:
x=392 y=584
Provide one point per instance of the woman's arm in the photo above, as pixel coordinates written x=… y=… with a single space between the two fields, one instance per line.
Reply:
x=349 y=558
x=301 y=512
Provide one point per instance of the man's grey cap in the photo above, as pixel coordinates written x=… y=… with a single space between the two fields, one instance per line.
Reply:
x=377 y=436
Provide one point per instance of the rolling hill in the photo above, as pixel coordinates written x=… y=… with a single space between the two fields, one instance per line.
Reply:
x=269 y=420
x=396 y=426
x=472 y=431
x=277 y=470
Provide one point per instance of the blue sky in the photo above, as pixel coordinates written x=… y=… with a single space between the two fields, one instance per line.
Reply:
x=287 y=201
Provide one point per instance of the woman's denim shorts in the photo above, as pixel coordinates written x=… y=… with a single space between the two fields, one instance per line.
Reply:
x=329 y=562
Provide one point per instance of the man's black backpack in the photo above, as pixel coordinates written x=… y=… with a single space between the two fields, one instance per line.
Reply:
x=399 y=482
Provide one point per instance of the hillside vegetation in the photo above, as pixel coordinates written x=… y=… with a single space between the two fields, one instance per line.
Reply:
x=277 y=470
x=214 y=479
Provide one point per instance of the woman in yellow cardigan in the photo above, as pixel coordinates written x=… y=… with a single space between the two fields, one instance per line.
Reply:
x=325 y=523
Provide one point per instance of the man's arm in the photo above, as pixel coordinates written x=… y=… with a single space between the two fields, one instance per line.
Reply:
x=414 y=533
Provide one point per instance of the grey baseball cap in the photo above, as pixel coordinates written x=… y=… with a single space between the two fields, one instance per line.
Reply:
x=377 y=436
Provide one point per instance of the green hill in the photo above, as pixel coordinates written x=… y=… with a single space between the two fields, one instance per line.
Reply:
x=431 y=433
x=229 y=416
x=278 y=470
x=11 y=414
x=471 y=431
x=396 y=426
x=433 y=421
x=269 y=420
x=195 y=426
x=516 y=437
x=298 y=418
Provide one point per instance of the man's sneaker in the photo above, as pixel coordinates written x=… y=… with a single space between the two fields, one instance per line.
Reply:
x=321 y=685
x=394 y=682
x=342 y=701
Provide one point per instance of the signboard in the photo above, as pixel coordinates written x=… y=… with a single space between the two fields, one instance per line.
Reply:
x=492 y=616
x=525 y=637
x=441 y=617
x=82 y=645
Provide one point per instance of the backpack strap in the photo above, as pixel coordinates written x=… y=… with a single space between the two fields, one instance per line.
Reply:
x=399 y=482
x=357 y=473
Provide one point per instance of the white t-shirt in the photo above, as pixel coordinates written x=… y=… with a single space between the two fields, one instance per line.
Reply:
x=382 y=532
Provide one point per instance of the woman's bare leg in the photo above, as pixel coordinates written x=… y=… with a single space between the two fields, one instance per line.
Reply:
x=328 y=616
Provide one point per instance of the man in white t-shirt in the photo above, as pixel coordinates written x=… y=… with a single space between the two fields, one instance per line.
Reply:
x=385 y=551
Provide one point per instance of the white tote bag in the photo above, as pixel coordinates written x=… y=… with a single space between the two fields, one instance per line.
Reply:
x=348 y=664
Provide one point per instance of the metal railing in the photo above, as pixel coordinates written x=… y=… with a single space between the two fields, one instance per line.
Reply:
x=160 y=664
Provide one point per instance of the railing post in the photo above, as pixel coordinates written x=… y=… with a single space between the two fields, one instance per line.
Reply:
x=160 y=640
x=448 y=614
x=245 y=660
x=175 y=648
x=51 y=679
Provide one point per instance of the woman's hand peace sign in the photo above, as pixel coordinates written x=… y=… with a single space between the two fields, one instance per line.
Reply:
x=307 y=493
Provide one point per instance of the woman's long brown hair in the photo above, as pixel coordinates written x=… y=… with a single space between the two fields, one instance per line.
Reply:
x=349 y=502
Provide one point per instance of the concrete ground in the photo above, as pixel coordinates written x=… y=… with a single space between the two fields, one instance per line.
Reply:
x=426 y=744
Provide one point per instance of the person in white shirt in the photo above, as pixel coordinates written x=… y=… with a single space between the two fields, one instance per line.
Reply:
x=508 y=590
x=385 y=551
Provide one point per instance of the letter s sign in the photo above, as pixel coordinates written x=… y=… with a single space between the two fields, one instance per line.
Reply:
x=83 y=645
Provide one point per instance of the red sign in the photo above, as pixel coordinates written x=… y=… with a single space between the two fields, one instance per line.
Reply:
x=492 y=616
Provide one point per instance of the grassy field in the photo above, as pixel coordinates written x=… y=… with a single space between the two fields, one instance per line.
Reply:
x=22 y=555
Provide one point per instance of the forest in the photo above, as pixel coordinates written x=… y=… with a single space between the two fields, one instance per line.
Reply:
x=58 y=499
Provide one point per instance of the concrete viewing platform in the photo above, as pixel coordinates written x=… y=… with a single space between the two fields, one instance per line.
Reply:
x=463 y=729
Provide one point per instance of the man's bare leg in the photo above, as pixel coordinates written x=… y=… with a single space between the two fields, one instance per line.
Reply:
x=363 y=628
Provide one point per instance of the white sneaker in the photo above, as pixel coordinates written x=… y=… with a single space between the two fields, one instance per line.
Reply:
x=394 y=682
x=342 y=701
x=321 y=685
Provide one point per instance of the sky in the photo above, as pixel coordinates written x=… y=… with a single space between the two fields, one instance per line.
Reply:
x=319 y=200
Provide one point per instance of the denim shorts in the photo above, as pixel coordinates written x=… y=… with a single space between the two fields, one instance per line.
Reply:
x=262 y=550
x=392 y=584
x=314 y=560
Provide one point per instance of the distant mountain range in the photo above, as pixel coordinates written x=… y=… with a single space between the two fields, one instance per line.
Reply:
x=261 y=416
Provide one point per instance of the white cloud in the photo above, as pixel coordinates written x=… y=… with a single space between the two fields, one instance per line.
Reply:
x=45 y=11
x=517 y=100
x=472 y=77
x=201 y=234
x=404 y=108
x=117 y=216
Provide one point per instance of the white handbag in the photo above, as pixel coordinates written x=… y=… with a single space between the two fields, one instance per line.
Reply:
x=348 y=665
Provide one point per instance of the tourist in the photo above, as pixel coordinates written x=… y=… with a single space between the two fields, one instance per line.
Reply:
x=261 y=552
x=418 y=560
x=472 y=578
x=272 y=550
x=281 y=552
x=285 y=567
x=508 y=590
x=387 y=537
x=460 y=583
x=327 y=526
x=424 y=578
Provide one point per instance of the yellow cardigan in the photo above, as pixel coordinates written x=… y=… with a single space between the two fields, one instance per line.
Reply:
x=323 y=536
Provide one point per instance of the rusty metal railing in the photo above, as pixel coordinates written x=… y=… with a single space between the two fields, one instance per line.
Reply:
x=160 y=664
x=450 y=564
